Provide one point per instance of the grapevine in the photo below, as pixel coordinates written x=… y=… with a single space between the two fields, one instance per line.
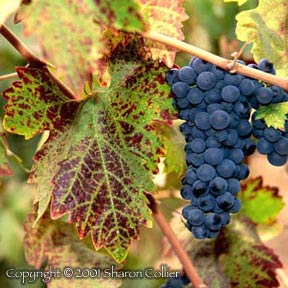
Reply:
x=119 y=154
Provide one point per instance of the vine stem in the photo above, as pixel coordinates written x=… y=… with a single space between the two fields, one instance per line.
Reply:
x=8 y=76
x=188 y=266
x=217 y=60
x=21 y=47
x=34 y=61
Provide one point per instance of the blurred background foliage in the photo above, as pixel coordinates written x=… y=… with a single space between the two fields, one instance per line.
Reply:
x=211 y=26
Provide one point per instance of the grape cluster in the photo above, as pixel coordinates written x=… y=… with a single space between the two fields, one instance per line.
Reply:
x=216 y=107
x=271 y=142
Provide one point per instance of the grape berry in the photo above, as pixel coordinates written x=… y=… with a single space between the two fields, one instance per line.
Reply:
x=216 y=107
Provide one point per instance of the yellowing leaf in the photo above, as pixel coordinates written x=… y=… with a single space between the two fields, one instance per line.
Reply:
x=261 y=204
x=165 y=17
x=69 y=38
x=267 y=26
x=274 y=115
x=7 y=7
x=240 y=2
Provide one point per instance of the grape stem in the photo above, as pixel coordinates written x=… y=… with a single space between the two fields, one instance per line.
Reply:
x=33 y=60
x=188 y=266
x=217 y=60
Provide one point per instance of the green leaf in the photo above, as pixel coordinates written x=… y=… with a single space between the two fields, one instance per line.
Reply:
x=69 y=38
x=55 y=242
x=274 y=115
x=240 y=2
x=175 y=154
x=126 y=16
x=7 y=8
x=262 y=204
x=165 y=17
x=267 y=32
x=246 y=261
x=35 y=104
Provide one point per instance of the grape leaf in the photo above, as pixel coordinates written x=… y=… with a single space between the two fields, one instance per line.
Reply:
x=46 y=159
x=240 y=2
x=165 y=17
x=69 y=37
x=267 y=32
x=261 y=204
x=245 y=260
x=101 y=179
x=141 y=97
x=274 y=115
x=7 y=8
x=175 y=154
x=99 y=184
x=35 y=104
x=126 y=16
x=55 y=242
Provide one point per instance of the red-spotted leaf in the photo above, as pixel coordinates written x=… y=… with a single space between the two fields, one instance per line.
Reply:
x=100 y=183
x=97 y=164
x=139 y=97
x=35 y=103
x=56 y=243
x=46 y=161
x=126 y=16
x=165 y=17
x=260 y=203
x=69 y=37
